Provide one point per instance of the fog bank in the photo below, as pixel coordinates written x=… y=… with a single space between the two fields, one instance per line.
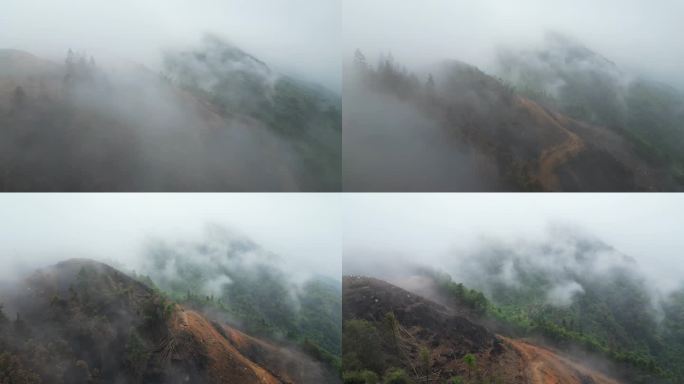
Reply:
x=300 y=37
x=302 y=232
x=385 y=233
x=639 y=36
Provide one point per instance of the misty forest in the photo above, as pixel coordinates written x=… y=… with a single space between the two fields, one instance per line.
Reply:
x=214 y=118
x=217 y=310
x=558 y=117
x=571 y=309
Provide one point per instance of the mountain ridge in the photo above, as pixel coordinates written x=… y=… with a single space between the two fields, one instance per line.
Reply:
x=418 y=333
x=84 y=321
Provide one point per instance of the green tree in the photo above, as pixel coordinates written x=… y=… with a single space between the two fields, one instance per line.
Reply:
x=362 y=346
x=396 y=376
x=19 y=97
x=360 y=377
x=471 y=362
x=353 y=377
x=390 y=327
x=425 y=362
x=360 y=60
x=136 y=354
x=430 y=84
x=3 y=318
x=20 y=327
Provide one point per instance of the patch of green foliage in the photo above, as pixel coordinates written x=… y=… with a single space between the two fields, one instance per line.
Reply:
x=464 y=297
x=102 y=327
x=307 y=115
x=396 y=376
x=360 y=377
x=362 y=346
x=137 y=354
x=256 y=297
x=612 y=318
x=650 y=115
x=366 y=359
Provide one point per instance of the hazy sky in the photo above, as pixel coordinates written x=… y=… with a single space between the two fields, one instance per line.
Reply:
x=637 y=35
x=297 y=36
x=432 y=228
x=40 y=229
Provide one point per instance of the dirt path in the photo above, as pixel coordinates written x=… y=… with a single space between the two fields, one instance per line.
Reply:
x=554 y=156
x=543 y=366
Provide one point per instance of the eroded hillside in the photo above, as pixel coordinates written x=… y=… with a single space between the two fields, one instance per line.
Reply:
x=423 y=338
x=84 y=322
x=487 y=133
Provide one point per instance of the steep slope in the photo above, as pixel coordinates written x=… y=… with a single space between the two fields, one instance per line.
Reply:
x=216 y=120
x=570 y=78
x=236 y=83
x=406 y=325
x=21 y=66
x=578 y=293
x=543 y=366
x=531 y=143
x=234 y=277
x=81 y=321
x=289 y=365
x=224 y=362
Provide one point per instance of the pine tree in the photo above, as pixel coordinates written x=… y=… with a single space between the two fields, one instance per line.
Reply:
x=471 y=361
x=430 y=84
x=360 y=60
x=19 y=97
x=424 y=355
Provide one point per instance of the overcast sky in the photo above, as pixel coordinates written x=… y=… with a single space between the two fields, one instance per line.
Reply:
x=40 y=229
x=432 y=228
x=638 y=35
x=302 y=37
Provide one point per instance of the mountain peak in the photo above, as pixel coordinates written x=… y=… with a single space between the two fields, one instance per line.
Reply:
x=570 y=50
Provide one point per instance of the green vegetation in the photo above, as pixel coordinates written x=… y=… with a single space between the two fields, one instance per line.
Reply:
x=362 y=347
x=425 y=362
x=253 y=295
x=137 y=354
x=463 y=115
x=360 y=377
x=396 y=376
x=307 y=115
x=101 y=326
x=471 y=362
x=591 y=89
x=613 y=318
x=464 y=297
x=392 y=376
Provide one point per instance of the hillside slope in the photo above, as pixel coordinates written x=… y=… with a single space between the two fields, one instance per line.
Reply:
x=215 y=119
x=81 y=321
x=507 y=137
x=406 y=326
